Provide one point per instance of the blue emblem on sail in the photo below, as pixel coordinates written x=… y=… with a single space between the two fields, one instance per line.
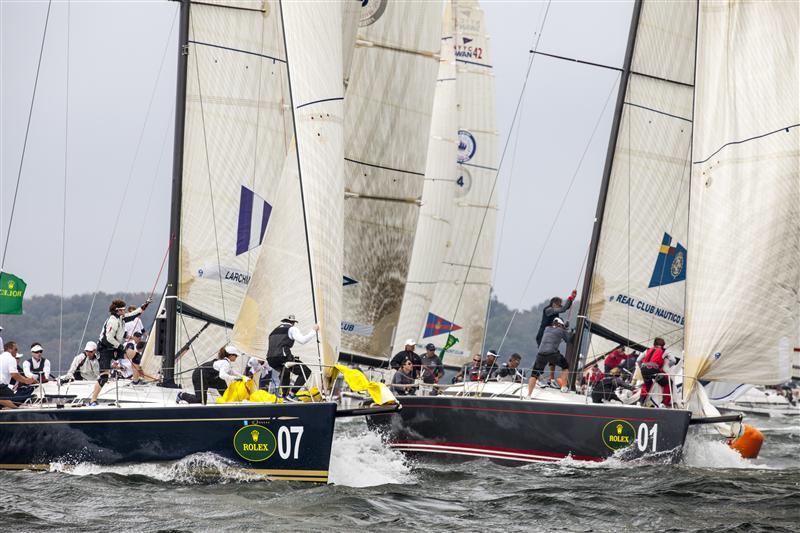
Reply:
x=348 y=281
x=254 y=214
x=670 y=264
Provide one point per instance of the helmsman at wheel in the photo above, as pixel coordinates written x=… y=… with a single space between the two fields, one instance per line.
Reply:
x=279 y=352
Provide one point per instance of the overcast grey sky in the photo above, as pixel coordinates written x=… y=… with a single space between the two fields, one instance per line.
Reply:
x=115 y=52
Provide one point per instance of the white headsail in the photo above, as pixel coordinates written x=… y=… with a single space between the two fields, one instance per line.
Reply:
x=304 y=242
x=432 y=238
x=742 y=292
x=387 y=122
x=462 y=295
x=638 y=280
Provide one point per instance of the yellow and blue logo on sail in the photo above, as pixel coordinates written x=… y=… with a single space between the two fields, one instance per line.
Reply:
x=670 y=264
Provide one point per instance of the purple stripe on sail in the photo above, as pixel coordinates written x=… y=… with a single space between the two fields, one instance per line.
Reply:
x=264 y=219
x=245 y=215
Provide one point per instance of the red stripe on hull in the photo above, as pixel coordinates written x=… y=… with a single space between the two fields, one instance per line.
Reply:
x=493 y=451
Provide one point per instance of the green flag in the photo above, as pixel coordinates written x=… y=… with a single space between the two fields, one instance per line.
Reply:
x=451 y=341
x=12 y=289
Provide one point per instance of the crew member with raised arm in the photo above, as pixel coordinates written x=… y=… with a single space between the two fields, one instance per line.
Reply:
x=279 y=352
x=217 y=373
x=551 y=312
x=112 y=340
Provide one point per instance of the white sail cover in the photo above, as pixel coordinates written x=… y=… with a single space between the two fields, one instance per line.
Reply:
x=236 y=135
x=742 y=293
x=438 y=198
x=308 y=199
x=638 y=280
x=387 y=122
x=462 y=295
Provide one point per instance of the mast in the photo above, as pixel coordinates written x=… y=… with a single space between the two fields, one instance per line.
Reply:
x=574 y=349
x=173 y=268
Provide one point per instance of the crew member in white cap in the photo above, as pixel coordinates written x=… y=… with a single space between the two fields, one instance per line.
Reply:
x=217 y=373
x=408 y=354
x=85 y=366
x=279 y=352
x=489 y=366
x=37 y=367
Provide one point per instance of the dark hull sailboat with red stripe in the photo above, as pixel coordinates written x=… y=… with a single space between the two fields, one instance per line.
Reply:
x=551 y=427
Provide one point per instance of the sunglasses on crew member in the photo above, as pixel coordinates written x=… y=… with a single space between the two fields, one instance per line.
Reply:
x=476 y=360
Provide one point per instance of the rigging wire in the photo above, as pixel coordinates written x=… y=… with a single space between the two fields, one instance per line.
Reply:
x=127 y=184
x=210 y=187
x=560 y=208
x=499 y=166
x=533 y=45
x=64 y=197
x=164 y=143
x=27 y=131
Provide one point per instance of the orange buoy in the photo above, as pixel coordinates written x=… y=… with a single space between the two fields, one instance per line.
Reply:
x=748 y=444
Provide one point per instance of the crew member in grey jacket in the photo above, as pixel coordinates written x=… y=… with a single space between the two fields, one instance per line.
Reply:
x=552 y=338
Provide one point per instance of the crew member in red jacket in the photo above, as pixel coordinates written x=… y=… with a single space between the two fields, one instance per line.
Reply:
x=614 y=359
x=652 y=365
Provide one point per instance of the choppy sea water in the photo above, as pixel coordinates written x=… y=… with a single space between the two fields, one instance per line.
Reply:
x=373 y=488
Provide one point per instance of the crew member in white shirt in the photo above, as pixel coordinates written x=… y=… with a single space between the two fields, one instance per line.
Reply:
x=279 y=352
x=217 y=373
x=9 y=371
x=37 y=366
x=85 y=366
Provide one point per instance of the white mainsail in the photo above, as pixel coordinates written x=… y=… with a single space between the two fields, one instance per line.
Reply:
x=388 y=109
x=236 y=136
x=432 y=237
x=462 y=295
x=742 y=293
x=308 y=199
x=638 y=279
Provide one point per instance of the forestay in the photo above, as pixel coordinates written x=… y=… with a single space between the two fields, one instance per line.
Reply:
x=638 y=279
x=388 y=108
x=742 y=293
x=306 y=228
x=462 y=295
x=433 y=235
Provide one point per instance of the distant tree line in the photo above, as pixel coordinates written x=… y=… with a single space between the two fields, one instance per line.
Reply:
x=39 y=322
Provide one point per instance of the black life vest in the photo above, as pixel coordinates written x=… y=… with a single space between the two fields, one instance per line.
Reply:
x=37 y=369
x=279 y=350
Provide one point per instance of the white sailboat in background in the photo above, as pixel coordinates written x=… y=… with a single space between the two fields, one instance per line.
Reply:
x=461 y=297
x=388 y=108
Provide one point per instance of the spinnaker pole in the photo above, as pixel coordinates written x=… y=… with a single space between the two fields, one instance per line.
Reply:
x=173 y=268
x=574 y=349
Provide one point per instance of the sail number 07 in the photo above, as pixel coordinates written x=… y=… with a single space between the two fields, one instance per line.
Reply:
x=287 y=444
x=647 y=435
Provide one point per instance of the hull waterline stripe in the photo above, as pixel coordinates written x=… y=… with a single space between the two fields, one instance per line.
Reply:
x=489 y=451
x=465 y=408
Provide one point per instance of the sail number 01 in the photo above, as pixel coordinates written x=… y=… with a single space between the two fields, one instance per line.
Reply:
x=646 y=435
x=285 y=444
